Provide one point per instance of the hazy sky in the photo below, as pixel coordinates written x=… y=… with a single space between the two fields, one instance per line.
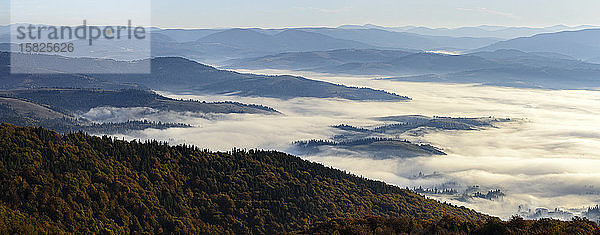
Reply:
x=278 y=13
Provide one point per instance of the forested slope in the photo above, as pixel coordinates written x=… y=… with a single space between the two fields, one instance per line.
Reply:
x=452 y=225
x=79 y=183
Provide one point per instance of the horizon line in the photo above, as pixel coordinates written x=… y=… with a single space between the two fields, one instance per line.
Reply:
x=343 y=25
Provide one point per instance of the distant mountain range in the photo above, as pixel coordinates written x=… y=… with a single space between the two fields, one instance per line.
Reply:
x=365 y=62
x=178 y=74
x=482 y=31
x=239 y=43
x=311 y=39
x=582 y=44
x=185 y=35
x=286 y=40
x=316 y=59
x=228 y=44
x=502 y=67
x=217 y=45
x=550 y=58
x=403 y=40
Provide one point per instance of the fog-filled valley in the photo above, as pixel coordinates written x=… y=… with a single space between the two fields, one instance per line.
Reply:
x=544 y=157
x=287 y=129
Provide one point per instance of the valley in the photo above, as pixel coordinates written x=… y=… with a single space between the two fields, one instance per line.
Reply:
x=489 y=153
x=305 y=128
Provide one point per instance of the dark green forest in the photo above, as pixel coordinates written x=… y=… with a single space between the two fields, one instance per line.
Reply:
x=80 y=183
x=77 y=183
x=453 y=225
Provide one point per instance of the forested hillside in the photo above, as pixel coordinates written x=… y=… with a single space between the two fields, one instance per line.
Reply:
x=453 y=225
x=79 y=183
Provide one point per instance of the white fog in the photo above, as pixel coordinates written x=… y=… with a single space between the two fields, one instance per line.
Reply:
x=548 y=156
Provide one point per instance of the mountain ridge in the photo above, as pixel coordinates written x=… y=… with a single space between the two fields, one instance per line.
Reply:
x=177 y=74
x=503 y=67
x=581 y=44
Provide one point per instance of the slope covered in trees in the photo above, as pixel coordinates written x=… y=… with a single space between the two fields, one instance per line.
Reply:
x=453 y=225
x=80 y=183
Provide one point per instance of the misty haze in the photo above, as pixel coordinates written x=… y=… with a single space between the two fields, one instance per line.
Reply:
x=390 y=117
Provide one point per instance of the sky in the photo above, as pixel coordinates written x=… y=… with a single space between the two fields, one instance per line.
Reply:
x=297 y=13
